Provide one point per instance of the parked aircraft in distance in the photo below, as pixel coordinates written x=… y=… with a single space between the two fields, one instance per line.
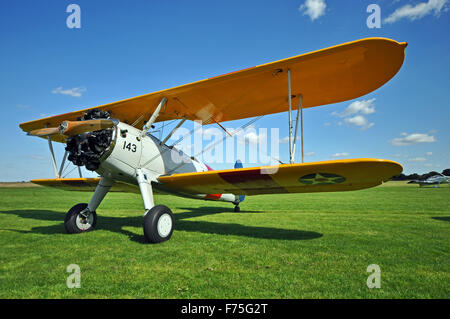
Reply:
x=435 y=180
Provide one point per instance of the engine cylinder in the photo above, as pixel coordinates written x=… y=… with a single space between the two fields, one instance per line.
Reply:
x=86 y=149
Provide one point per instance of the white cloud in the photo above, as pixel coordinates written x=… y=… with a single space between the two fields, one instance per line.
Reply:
x=368 y=126
x=285 y=139
x=413 y=139
x=417 y=159
x=354 y=113
x=418 y=11
x=359 y=120
x=212 y=131
x=253 y=138
x=432 y=165
x=38 y=157
x=75 y=92
x=249 y=135
x=344 y=154
x=429 y=153
x=365 y=107
x=310 y=154
x=23 y=106
x=313 y=8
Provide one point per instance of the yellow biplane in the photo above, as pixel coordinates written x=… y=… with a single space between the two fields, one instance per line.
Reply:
x=113 y=139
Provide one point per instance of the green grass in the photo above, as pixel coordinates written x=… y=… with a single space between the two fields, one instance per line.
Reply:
x=279 y=246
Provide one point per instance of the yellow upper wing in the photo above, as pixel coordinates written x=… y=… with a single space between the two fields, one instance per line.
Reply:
x=328 y=176
x=331 y=75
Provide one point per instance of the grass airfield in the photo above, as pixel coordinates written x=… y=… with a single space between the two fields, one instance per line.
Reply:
x=278 y=246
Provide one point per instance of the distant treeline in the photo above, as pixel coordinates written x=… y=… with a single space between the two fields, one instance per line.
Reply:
x=403 y=177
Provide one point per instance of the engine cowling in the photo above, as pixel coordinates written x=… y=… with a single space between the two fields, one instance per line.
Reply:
x=86 y=149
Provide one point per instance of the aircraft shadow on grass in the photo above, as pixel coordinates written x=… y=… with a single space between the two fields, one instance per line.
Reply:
x=444 y=218
x=116 y=224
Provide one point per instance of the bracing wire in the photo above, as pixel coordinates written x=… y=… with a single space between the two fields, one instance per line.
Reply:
x=192 y=131
x=70 y=172
x=221 y=140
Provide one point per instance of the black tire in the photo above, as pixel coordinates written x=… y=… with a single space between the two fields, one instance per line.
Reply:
x=152 y=220
x=74 y=223
x=237 y=209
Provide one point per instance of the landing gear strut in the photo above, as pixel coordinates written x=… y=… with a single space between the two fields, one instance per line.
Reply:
x=82 y=217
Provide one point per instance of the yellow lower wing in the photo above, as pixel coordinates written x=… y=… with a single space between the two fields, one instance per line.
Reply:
x=84 y=184
x=328 y=176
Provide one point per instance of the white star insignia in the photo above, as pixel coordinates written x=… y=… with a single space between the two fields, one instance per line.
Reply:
x=321 y=179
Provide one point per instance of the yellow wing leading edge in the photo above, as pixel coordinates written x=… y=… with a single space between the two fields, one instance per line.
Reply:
x=331 y=75
x=327 y=176
x=84 y=184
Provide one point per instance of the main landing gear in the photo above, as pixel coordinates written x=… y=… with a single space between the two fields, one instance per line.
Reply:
x=158 y=220
x=79 y=219
x=158 y=224
x=82 y=217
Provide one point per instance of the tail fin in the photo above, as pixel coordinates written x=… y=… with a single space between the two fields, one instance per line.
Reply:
x=238 y=164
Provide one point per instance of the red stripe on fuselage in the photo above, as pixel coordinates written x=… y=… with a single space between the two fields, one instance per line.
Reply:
x=213 y=196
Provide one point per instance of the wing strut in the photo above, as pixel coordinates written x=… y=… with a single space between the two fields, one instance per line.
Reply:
x=299 y=112
x=61 y=167
x=153 y=118
x=173 y=131
x=301 y=123
x=291 y=159
x=292 y=143
x=50 y=146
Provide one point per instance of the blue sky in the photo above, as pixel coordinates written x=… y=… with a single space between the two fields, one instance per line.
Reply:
x=129 y=48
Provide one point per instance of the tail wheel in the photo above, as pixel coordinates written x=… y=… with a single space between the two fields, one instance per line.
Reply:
x=237 y=208
x=158 y=224
x=78 y=220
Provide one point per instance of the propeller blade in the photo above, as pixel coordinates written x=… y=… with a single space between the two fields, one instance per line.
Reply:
x=44 y=131
x=70 y=128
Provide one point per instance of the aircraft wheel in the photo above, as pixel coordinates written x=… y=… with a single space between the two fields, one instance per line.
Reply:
x=158 y=224
x=75 y=222
x=237 y=208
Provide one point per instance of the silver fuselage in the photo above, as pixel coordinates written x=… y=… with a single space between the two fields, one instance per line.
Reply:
x=129 y=151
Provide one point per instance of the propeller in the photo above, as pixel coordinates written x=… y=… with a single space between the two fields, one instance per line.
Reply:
x=44 y=131
x=71 y=128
